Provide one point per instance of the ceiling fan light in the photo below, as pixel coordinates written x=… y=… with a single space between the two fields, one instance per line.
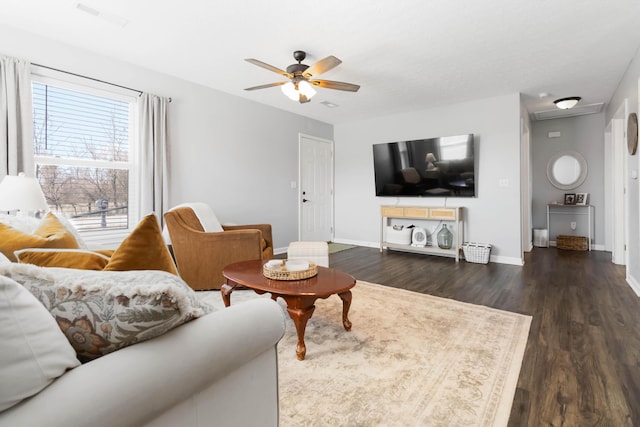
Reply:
x=290 y=90
x=566 y=103
x=306 y=89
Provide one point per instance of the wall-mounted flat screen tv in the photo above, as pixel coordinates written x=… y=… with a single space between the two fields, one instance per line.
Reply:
x=433 y=167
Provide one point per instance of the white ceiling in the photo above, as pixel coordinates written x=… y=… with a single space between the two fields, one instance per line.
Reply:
x=405 y=54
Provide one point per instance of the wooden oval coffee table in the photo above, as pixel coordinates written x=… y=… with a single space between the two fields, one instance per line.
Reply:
x=300 y=295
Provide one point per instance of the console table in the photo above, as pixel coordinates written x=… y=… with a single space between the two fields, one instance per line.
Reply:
x=451 y=216
x=559 y=209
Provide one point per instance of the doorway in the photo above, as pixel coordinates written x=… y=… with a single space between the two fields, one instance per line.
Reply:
x=315 y=197
x=615 y=192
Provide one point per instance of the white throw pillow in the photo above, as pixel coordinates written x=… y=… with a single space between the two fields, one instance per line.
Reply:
x=4 y=259
x=26 y=224
x=34 y=351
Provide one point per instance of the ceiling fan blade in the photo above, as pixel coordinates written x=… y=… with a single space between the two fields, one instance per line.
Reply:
x=266 y=86
x=330 y=84
x=269 y=67
x=322 y=66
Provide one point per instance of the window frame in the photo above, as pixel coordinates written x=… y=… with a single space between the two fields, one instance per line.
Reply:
x=46 y=76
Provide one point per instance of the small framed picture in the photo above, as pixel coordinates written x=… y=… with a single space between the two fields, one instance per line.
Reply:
x=569 y=198
x=582 y=199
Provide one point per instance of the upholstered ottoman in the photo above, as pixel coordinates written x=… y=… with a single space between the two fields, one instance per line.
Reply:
x=317 y=252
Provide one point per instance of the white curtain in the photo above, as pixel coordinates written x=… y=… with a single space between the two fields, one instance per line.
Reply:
x=153 y=138
x=16 y=118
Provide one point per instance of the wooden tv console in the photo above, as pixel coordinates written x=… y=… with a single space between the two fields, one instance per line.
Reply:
x=429 y=218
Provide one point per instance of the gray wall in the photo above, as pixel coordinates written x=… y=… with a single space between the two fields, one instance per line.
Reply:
x=236 y=155
x=628 y=89
x=492 y=217
x=584 y=134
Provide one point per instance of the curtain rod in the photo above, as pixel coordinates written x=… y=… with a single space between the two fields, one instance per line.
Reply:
x=90 y=78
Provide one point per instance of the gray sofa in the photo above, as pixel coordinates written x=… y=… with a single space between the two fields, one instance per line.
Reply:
x=218 y=370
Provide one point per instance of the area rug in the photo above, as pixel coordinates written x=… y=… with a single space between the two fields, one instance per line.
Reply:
x=410 y=360
x=338 y=247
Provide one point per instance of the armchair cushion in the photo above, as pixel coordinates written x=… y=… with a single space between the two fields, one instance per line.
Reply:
x=100 y=312
x=34 y=351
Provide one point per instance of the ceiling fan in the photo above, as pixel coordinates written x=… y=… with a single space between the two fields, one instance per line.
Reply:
x=301 y=77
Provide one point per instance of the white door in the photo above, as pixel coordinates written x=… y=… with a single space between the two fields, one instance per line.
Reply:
x=618 y=192
x=316 y=189
x=526 y=181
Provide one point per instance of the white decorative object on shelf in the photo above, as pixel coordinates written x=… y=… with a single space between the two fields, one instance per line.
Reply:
x=419 y=237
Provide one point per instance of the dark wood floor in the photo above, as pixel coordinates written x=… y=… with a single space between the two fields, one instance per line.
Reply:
x=582 y=361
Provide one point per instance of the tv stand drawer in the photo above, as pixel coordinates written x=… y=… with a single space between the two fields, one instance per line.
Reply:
x=391 y=211
x=414 y=212
x=442 y=213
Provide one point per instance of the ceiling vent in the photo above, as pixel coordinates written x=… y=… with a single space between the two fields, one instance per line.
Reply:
x=575 y=111
x=109 y=17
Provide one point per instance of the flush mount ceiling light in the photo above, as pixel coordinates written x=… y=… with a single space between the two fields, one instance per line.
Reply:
x=566 y=103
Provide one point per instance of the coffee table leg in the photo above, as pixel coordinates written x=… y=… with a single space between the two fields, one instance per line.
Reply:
x=225 y=291
x=300 y=317
x=346 y=303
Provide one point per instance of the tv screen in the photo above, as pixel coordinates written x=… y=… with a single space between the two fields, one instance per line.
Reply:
x=434 y=167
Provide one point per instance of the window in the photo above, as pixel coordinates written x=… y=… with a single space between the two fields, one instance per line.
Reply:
x=84 y=153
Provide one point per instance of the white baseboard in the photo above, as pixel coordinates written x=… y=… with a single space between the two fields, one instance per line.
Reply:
x=635 y=285
x=278 y=251
x=357 y=243
x=492 y=258
x=506 y=260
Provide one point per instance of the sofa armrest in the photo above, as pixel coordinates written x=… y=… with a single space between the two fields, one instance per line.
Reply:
x=135 y=385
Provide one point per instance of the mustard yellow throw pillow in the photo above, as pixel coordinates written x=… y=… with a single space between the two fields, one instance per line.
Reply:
x=67 y=258
x=49 y=234
x=143 y=249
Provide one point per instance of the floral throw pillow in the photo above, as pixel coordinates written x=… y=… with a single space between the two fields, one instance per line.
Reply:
x=103 y=311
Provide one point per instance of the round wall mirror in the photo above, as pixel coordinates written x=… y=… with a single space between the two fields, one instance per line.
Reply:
x=567 y=170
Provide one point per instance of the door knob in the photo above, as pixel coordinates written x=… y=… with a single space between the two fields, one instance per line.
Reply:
x=304 y=200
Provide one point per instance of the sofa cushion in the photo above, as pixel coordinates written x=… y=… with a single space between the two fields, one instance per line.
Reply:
x=28 y=224
x=34 y=351
x=143 y=249
x=103 y=311
x=68 y=258
x=51 y=233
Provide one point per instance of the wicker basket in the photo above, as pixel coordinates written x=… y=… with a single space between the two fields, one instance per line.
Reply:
x=573 y=243
x=281 y=273
x=476 y=252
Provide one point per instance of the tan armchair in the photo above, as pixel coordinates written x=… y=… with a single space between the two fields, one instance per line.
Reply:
x=201 y=256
